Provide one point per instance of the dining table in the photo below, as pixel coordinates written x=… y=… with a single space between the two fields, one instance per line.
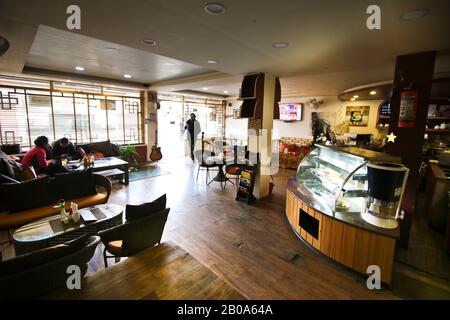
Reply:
x=220 y=161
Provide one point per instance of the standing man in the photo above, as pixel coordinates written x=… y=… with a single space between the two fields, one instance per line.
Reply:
x=193 y=128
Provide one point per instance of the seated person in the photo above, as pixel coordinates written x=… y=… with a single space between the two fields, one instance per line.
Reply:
x=37 y=158
x=63 y=148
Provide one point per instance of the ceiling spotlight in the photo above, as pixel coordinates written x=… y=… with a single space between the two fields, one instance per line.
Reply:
x=127 y=76
x=352 y=99
x=205 y=88
x=68 y=80
x=414 y=14
x=148 y=41
x=170 y=64
x=280 y=45
x=225 y=91
x=373 y=92
x=212 y=61
x=356 y=96
x=215 y=9
x=79 y=68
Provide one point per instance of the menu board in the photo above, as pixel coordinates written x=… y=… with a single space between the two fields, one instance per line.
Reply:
x=246 y=184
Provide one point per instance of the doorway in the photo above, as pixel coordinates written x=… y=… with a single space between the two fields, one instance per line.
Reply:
x=171 y=129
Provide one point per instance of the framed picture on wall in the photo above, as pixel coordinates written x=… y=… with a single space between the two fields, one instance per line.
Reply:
x=357 y=116
x=236 y=114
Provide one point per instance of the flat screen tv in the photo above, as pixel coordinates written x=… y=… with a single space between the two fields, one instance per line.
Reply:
x=291 y=111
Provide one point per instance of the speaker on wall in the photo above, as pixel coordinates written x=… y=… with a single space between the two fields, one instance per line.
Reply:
x=4 y=45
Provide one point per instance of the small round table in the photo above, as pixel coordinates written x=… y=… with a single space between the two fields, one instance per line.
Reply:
x=220 y=177
x=51 y=231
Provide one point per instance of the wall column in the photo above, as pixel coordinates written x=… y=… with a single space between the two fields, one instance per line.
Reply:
x=262 y=143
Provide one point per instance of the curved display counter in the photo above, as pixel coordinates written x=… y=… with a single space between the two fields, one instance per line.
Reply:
x=342 y=235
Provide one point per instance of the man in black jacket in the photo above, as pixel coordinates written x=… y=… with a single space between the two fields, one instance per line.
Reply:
x=193 y=128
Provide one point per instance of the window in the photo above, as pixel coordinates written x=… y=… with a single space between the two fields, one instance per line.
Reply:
x=26 y=113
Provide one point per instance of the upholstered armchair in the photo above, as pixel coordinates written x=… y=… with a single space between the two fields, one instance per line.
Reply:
x=134 y=236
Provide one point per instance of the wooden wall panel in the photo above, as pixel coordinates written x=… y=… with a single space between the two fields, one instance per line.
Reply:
x=381 y=253
x=362 y=245
x=337 y=232
x=325 y=239
x=316 y=242
x=348 y=245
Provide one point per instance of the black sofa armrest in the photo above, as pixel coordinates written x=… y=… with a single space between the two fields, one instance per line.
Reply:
x=103 y=182
x=6 y=179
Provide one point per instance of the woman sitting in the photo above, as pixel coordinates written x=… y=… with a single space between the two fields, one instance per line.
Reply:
x=37 y=158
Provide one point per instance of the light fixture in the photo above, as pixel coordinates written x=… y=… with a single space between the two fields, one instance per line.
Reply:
x=68 y=80
x=355 y=96
x=215 y=8
x=128 y=76
x=79 y=68
x=352 y=99
x=212 y=61
x=280 y=45
x=373 y=92
x=170 y=64
x=148 y=41
x=111 y=50
x=414 y=14
x=225 y=91
x=205 y=88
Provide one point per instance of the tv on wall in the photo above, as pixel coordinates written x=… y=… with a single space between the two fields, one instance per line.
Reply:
x=291 y=111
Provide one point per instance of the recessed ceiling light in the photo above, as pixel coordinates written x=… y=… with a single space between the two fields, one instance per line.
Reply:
x=148 y=41
x=280 y=45
x=68 y=80
x=205 y=88
x=373 y=92
x=356 y=96
x=225 y=91
x=79 y=68
x=169 y=64
x=414 y=14
x=215 y=9
x=212 y=61
x=111 y=50
x=128 y=76
x=352 y=99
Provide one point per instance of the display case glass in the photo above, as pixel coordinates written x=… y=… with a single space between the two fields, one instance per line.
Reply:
x=334 y=178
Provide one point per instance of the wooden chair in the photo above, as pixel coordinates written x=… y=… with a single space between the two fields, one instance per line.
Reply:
x=134 y=236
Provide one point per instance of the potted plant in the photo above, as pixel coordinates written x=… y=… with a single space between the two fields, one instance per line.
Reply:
x=129 y=154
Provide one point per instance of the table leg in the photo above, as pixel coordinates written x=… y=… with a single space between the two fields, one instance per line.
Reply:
x=126 y=174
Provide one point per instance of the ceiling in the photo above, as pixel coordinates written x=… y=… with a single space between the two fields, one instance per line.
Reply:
x=330 y=48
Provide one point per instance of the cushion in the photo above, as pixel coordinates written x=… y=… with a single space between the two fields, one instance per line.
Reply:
x=115 y=247
x=102 y=147
x=6 y=168
x=39 y=257
x=73 y=185
x=98 y=155
x=26 y=175
x=135 y=212
x=26 y=195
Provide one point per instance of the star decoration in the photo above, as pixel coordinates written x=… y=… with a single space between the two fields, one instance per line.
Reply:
x=391 y=137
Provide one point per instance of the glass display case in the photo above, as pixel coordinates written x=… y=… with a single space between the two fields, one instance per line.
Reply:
x=335 y=178
x=354 y=180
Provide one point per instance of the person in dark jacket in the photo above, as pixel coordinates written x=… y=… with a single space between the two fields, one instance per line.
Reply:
x=63 y=148
x=193 y=129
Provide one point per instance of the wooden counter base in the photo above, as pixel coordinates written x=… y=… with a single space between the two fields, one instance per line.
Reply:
x=354 y=247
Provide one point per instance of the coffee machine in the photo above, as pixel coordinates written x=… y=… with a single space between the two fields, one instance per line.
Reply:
x=386 y=184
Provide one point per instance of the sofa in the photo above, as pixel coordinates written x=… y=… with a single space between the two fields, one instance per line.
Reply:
x=292 y=151
x=24 y=202
x=101 y=149
x=41 y=272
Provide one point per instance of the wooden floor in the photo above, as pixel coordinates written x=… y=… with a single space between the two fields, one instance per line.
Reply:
x=250 y=247
x=165 y=272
